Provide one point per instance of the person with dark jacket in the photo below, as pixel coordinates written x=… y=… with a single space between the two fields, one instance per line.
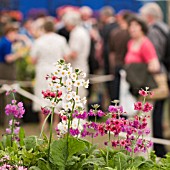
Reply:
x=109 y=24
x=158 y=30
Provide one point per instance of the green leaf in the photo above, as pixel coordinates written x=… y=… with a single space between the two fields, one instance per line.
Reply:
x=146 y=165
x=74 y=146
x=139 y=160
x=152 y=156
x=73 y=160
x=133 y=168
x=109 y=168
x=43 y=165
x=1 y=146
x=34 y=168
x=121 y=160
x=6 y=141
x=21 y=136
x=94 y=161
x=59 y=153
x=30 y=142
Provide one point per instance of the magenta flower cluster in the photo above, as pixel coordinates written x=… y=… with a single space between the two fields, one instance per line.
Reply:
x=144 y=108
x=134 y=129
x=45 y=110
x=13 y=128
x=98 y=113
x=15 y=109
x=50 y=94
x=78 y=115
x=10 y=167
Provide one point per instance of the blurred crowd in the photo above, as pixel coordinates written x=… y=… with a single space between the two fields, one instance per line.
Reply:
x=101 y=43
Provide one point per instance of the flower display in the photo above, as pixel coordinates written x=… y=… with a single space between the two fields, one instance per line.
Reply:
x=64 y=86
x=65 y=148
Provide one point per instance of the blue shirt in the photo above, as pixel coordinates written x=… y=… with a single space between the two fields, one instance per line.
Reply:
x=5 y=48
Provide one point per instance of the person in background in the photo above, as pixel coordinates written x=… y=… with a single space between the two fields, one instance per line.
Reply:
x=26 y=29
x=158 y=33
x=60 y=26
x=90 y=24
x=140 y=48
x=7 y=57
x=86 y=17
x=118 y=47
x=79 y=44
x=37 y=27
x=7 y=63
x=108 y=20
x=4 y=19
x=46 y=50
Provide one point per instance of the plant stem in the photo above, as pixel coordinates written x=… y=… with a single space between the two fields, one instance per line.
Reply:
x=12 y=131
x=78 y=126
x=95 y=118
x=44 y=124
x=51 y=123
x=107 y=157
x=77 y=90
x=109 y=135
x=69 y=123
x=92 y=139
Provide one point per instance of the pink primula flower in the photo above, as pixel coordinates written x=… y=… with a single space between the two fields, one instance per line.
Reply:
x=143 y=93
x=138 y=106
x=147 y=107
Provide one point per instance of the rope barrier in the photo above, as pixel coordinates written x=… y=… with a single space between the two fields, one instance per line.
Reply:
x=24 y=93
x=34 y=98
x=93 y=78
x=21 y=83
x=100 y=78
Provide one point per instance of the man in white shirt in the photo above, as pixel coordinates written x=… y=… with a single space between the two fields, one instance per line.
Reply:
x=79 y=43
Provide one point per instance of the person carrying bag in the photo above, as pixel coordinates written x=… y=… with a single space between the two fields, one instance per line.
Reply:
x=141 y=61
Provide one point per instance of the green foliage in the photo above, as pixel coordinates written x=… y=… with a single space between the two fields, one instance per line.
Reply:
x=21 y=136
x=6 y=141
x=61 y=151
x=76 y=154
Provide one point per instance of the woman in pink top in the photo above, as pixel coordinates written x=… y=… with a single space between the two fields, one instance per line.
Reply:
x=140 y=48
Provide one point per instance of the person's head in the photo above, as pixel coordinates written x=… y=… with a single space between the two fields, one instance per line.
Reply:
x=48 y=26
x=11 y=32
x=123 y=18
x=71 y=20
x=27 y=23
x=86 y=13
x=151 y=13
x=137 y=27
x=37 y=27
x=106 y=13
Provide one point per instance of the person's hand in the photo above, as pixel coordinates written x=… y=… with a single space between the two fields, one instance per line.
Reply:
x=25 y=39
x=10 y=58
